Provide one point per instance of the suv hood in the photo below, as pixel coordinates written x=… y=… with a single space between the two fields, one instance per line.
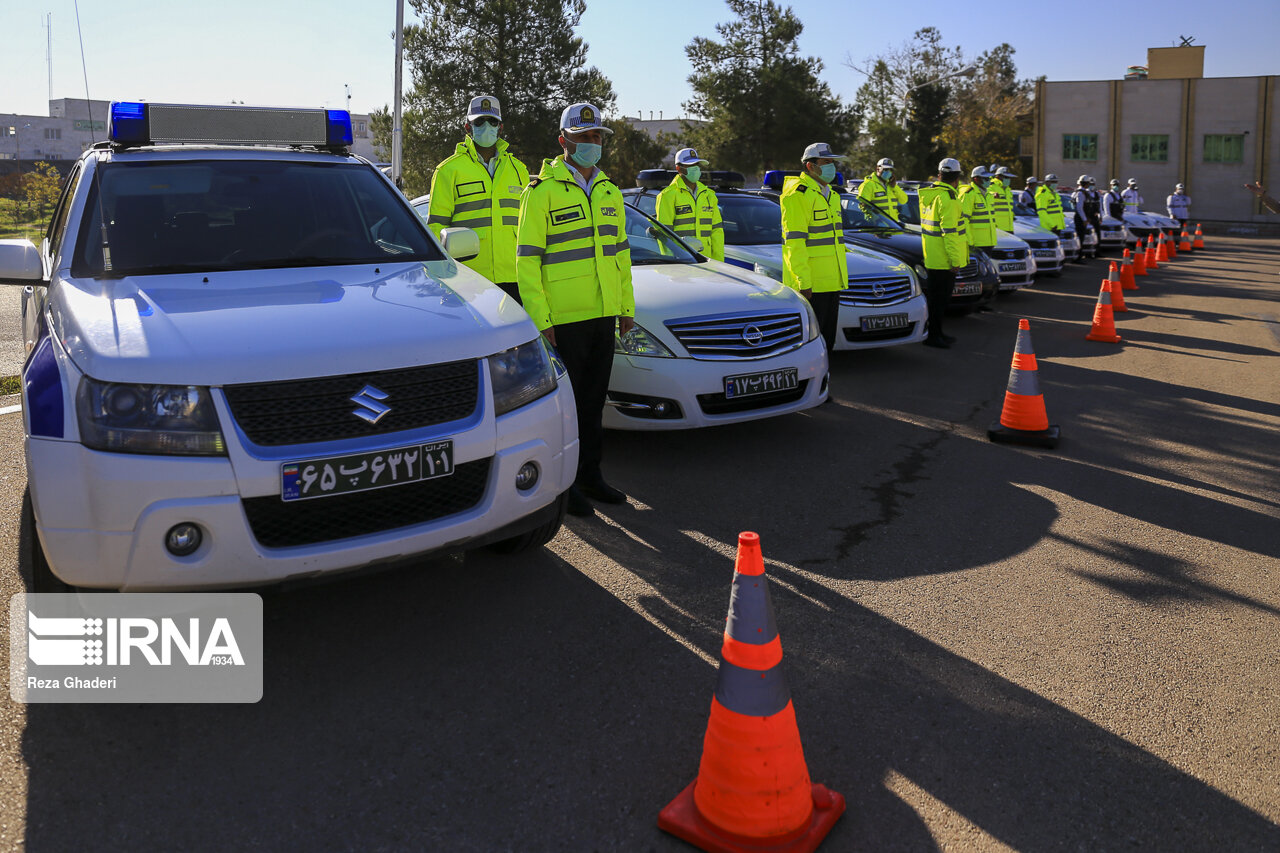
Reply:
x=224 y=328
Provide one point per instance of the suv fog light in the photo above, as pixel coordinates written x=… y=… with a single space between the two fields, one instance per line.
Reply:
x=183 y=539
x=527 y=477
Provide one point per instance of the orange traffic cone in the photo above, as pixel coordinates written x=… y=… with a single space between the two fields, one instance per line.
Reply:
x=1023 y=420
x=1171 y=243
x=1104 y=320
x=1126 y=272
x=1139 y=260
x=1151 y=253
x=1117 y=290
x=1162 y=248
x=1199 y=241
x=753 y=791
x=1184 y=242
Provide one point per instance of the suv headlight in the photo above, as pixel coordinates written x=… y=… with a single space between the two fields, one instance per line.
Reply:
x=521 y=375
x=638 y=341
x=169 y=420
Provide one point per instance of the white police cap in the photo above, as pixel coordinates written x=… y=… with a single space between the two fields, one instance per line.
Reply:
x=484 y=105
x=580 y=118
x=821 y=150
x=689 y=157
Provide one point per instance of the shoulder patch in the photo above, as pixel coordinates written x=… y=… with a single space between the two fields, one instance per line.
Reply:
x=801 y=188
x=533 y=182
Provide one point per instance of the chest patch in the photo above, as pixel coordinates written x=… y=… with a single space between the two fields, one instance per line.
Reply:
x=820 y=215
x=684 y=208
x=609 y=211
x=561 y=215
x=470 y=188
x=511 y=188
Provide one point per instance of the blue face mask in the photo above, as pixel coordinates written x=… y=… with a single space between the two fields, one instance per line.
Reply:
x=693 y=173
x=587 y=154
x=887 y=175
x=828 y=172
x=484 y=135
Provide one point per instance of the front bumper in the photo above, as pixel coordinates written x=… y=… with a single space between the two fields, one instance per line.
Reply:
x=693 y=390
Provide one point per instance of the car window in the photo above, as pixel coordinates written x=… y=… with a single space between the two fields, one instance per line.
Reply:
x=224 y=214
x=651 y=243
x=58 y=223
x=750 y=221
x=909 y=213
x=859 y=215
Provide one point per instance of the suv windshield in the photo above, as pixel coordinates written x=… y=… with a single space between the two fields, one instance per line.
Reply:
x=858 y=215
x=203 y=215
x=749 y=220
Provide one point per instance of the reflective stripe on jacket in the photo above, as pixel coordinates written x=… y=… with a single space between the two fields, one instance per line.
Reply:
x=813 y=252
x=464 y=195
x=977 y=215
x=1049 y=206
x=887 y=198
x=946 y=245
x=572 y=258
x=693 y=214
x=1132 y=200
x=1000 y=198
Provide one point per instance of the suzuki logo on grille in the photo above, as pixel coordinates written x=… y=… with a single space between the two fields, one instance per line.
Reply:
x=369 y=404
x=878 y=289
x=752 y=335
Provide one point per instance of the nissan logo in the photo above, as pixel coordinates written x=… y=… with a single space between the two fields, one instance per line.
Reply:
x=752 y=335
x=878 y=289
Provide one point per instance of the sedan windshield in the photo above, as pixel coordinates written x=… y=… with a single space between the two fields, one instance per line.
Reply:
x=651 y=243
x=228 y=214
x=859 y=215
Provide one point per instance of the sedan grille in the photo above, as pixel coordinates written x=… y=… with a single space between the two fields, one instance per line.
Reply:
x=876 y=291
x=310 y=410
x=1006 y=254
x=744 y=336
x=969 y=270
x=1043 y=244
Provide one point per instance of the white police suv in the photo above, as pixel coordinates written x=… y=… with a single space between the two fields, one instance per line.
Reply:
x=250 y=362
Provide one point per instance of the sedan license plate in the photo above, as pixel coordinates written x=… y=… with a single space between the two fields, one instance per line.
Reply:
x=1045 y=253
x=968 y=288
x=750 y=384
x=360 y=472
x=1014 y=267
x=884 y=321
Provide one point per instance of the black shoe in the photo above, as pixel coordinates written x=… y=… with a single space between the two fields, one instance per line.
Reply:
x=601 y=491
x=940 y=343
x=948 y=338
x=578 y=503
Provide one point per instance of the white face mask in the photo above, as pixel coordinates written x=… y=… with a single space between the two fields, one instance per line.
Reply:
x=485 y=135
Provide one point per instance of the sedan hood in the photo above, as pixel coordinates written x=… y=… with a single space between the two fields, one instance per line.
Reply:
x=668 y=291
x=224 y=328
x=861 y=261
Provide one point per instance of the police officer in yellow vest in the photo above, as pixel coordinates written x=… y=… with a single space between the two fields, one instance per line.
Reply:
x=689 y=208
x=1001 y=198
x=1049 y=205
x=479 y=188
x=946 y=245
x=813 y=252
x=975 y=207
x=574 y=269
x=882 y=190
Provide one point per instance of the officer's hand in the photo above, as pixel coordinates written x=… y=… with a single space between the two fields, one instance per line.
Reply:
x=550 y=334
x=625 y=324
x=956 y=269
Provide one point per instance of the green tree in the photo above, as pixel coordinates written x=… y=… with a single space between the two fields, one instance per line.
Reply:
x=629 y=150
x=763 y=101
x=40 y=189
x=992 y=111
x=523 y=52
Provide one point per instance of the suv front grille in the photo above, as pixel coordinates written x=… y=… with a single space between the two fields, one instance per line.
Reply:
x=1006 y=254
x=310 y=410
x=969 y=270
x=1043 y=244
x=876 y=291
x=283 y=524
x=720 y=337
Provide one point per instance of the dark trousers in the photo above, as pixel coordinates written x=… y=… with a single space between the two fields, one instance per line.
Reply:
x=586 y=347
x=512 y=289
x=938 y=294
x=827 y=307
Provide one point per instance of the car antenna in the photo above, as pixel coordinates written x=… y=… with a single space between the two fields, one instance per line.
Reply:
x=97 y=180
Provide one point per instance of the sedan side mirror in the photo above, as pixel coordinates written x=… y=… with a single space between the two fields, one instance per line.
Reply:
x=20 y=263
x=462 y=244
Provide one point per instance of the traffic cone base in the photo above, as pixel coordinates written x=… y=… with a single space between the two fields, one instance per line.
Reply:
x=1047 y=438
x=682 y=819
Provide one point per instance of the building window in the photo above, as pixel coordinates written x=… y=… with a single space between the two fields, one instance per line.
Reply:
x=1223 y=148
x=53 y=133
x=1080 y=146
x=1149 y=148
x=13 y=131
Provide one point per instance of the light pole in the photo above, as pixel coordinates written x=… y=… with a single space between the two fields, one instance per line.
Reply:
x=967 y=71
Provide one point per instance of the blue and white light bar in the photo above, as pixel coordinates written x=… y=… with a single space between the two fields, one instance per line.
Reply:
x=135 y=123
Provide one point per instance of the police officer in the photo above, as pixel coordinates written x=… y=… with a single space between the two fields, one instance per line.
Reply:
x=1179 y=204
x=689 y=208
x=479 y=187
x=946 y=246
x=1093 y=205
x=1049 y=205
x=1133 y=200
x=882 y=190
x=1028 y=194
x=1001 y=199
x=574 y=269
x=1113 y=200
x=1080 y=205
x=813 y=252
x=975 y=209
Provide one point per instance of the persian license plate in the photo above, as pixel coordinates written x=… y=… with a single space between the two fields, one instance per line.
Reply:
x=967 y=288
x=1014 y=267
x=360 y=472
x=750 y=384
x=1045 y=253
x=884 y=321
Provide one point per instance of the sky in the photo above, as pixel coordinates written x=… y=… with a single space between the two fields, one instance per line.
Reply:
x=316 y=52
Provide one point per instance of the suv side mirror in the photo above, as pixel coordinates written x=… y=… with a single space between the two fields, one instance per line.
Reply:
x=20 y=263
x=462 y=244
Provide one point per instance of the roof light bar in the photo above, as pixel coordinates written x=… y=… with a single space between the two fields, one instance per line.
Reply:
x=135 y=123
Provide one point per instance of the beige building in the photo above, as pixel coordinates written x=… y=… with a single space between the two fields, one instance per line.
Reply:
x=1213 y=134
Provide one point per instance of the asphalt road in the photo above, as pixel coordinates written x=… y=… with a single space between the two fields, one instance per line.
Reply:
x=989 y=647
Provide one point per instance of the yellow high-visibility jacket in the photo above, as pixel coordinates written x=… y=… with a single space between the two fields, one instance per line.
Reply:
x=572 y=258
x=942 y=228
x=1049 y=206
x=977 y=216
x=1000 y=199
x=813 y=252
x=886 y=197
x=693 y=214
x=463 y=195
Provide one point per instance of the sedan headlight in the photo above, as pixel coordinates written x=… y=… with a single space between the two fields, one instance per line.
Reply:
x=639 y=341
x=521 y=375
x=814 y=331
x=169 y=420
x=920 y=273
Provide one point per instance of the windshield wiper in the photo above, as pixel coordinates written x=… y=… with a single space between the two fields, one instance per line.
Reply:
x=650 y=261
